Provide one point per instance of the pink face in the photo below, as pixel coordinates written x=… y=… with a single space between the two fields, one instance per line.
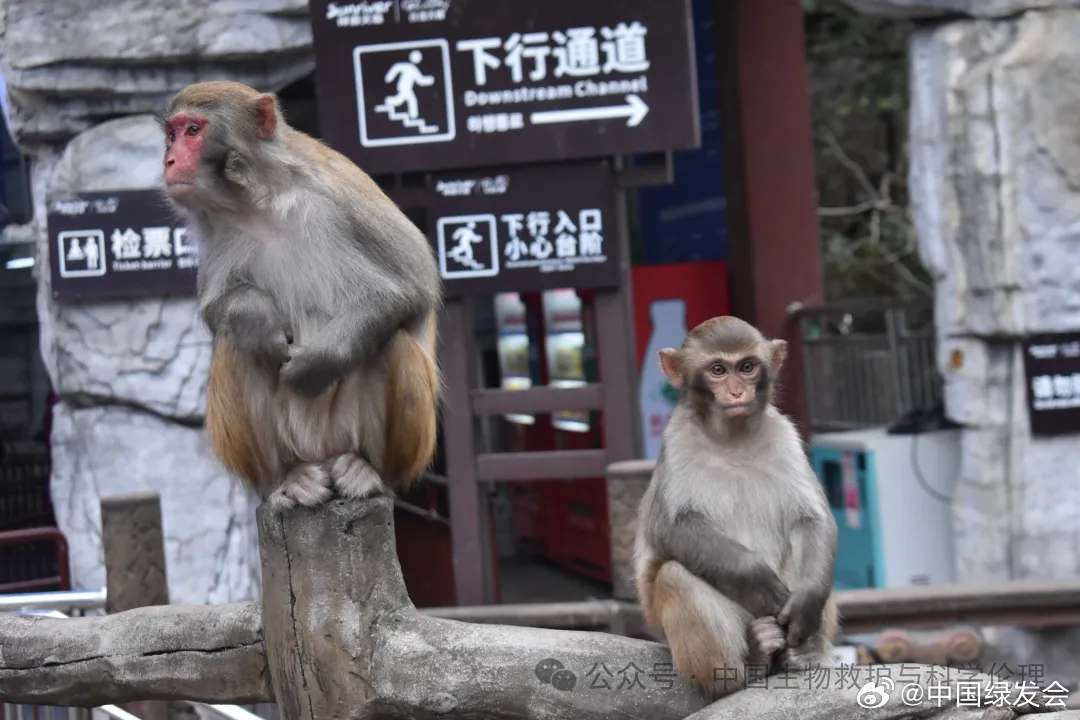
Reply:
x=184 y=136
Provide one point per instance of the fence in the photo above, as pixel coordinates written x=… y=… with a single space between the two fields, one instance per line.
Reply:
x=50 y=605
x=867 y=363
x=24 y=489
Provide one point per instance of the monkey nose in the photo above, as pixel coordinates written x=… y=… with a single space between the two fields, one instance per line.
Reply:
x=169 y=162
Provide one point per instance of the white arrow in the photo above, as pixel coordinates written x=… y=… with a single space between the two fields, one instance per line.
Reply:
x=634 y=110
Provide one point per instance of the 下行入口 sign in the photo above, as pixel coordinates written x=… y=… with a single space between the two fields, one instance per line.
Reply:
x=525 y=229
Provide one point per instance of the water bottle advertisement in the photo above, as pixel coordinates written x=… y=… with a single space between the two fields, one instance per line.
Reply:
x=669 y=300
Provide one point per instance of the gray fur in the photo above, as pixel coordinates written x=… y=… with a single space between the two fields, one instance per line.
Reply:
x=814 y=545
x=297 y=243
x=247 y=318
x=727 y=565
x=736 y=502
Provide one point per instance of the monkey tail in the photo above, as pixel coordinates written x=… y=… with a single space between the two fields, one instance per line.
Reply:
x=412 y=395
x=707 y=632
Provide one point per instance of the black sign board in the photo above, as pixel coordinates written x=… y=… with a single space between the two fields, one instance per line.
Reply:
x=1052 y=370
x=118 y=244
x=525 y=229
x=417 y=85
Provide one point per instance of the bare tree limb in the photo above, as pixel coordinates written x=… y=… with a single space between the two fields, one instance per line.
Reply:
x=166 y=652
x=344 y=640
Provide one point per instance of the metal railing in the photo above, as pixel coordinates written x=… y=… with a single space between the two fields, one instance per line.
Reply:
x=52 y=604
x=866 y=363
x=65 y=602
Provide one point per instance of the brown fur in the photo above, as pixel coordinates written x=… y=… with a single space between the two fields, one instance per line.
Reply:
x=703 y=647
x=255 y=188
x=735 y=543
x=412 y=391
x=228 y=424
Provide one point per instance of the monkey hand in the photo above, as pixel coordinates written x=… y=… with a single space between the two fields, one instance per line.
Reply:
x=308 y=370
x=766 y=594
x=802 y=615
x=262 y=332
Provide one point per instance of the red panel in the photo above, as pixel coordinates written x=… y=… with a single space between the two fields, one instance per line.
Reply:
x=703 y=286
x=585 y=528
x=426 y=558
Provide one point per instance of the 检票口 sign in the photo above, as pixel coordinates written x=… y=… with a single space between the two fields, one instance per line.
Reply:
x=1052 y=372
x=525 y=229
x=118 y=244
x=417 y=85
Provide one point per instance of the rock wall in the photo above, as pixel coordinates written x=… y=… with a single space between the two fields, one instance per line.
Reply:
x=995 y=185
x=996 y=190
x=132 y=374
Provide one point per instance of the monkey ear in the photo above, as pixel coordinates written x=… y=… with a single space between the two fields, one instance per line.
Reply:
x=777 y=353
x=669 y=363
x=266 y=116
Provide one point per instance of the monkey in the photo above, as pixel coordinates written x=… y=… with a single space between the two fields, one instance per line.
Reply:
x=735 y=546
x=321 y=297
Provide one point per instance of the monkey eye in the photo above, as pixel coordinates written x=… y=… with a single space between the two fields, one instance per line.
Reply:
x=747 y=366
x=192 y=130
x=717 y=369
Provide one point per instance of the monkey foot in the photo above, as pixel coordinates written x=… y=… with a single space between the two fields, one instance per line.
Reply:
x=766 y=637
x=353 y=477
x=307 y=485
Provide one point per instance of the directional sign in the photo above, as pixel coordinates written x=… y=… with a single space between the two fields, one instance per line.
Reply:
x=118 y=244
x=1052 y=372
x=525 y=229
x=418 y=85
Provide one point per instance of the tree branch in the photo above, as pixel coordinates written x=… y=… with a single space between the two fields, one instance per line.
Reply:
x=166 y=652
x=342 y=636
x=343 y=640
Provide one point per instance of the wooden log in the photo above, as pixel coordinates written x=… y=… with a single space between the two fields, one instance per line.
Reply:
x=134 y=547
x=173 y=652
x=135 y=574
x=344 y=640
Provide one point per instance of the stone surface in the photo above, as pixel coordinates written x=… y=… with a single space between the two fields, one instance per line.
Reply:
x=626 y=484
x=994 y=179
x=209 y=522
x=151 y=353
x=947 y=8
x=996 y=198
x=87 y=76
x=212 y=654
x=70 y=65
x=1017 y=503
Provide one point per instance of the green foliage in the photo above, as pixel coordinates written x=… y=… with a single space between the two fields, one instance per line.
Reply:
x=859 y=102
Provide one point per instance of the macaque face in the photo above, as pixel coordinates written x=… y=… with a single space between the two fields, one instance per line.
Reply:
x=728 y=364
x=185 y=135
x=733 y=381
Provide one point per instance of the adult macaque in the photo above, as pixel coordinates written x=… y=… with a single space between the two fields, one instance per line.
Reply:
x=321 y=296
x=736 y=543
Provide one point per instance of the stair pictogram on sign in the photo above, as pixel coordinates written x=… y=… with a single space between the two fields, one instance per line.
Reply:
x=403 y=118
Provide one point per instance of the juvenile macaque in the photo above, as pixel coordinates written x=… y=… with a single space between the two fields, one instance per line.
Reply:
x=321 y=296
x=736 y=543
